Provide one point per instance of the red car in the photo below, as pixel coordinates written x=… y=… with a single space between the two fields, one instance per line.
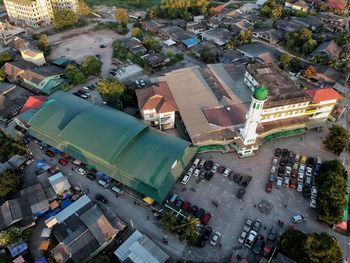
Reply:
x=50 y=153
x=62 y=162
x=186 y=206
x=221 y=169
x=293 y=184
x=206 y=218
x=268 y=187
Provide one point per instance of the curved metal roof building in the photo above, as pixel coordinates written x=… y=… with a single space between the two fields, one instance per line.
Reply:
x=117 y=144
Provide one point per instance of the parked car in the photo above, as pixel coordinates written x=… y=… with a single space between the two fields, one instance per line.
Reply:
x=215 y=238
x=200 y=213
x=194 y=210
x=208 y=176
x=190 y=171
x=300 y=187
x=272 y=233
x=185 y=179
x=313 y=202
x=307 y=191
x=221 y=169
x=285 y=153
x=50 y=153
x=250 y=239
x=207 y=233
x=104 y=45
x=286 y=181
x=271 y=177
x=293 y=184
x=214 y=169
x=173 y=198
x=240 y=193
x=279 y=182
x=196 y=172
x=259 y=246
x=300 y=177
x=275 y=161
x=238 y=178
x=303 y=159
x=62 y=162
x=310 y=162
x=80 y=171
x=91 y=176
x=314 y=191
x=101 y=198
x=257 y=225
x=208 y=165
x=179 y=203
x=196 y=162
x=308 y=180
x=206 y=218
x=298 y=219
x=297 y=158
x=103 y=183
x=227 y=172
x=186 y=206
x=248 y=224
x=242 y=237
x=268 y=187
x=273 y=169
x=278 y=152
x=116 y=190
x=142 y=83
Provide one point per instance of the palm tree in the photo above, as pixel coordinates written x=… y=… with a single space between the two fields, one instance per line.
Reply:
x=189 y=230
x=168 y=221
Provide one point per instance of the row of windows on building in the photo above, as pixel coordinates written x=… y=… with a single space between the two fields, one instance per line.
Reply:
x=286 y=107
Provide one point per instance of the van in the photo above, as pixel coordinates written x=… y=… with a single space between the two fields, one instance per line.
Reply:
x=173 y=198
x=201 y=163
x=103 y=183
x=116 y=190
x=196 y=162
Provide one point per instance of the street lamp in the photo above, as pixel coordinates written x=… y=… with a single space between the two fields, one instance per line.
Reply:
x=189 y=252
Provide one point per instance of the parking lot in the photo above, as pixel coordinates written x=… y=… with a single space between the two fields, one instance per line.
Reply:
x=230 y=215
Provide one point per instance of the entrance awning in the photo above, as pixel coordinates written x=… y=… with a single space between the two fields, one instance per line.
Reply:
x=148 y=200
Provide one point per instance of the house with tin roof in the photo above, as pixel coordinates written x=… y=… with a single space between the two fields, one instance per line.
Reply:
x=298 y=5
x=329 y=49
x=33 y=55
x=157 y=106
x=44 y=79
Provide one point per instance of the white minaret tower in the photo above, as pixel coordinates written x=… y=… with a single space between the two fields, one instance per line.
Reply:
x=253 y=116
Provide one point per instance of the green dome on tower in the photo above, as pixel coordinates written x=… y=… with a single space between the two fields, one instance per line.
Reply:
x=260 y=93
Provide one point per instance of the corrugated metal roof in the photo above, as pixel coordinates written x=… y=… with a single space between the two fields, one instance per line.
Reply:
x=59 y=183
x=64 y=214
x=115 y=143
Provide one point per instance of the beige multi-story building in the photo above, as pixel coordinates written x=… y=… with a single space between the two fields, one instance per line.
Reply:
x=65 y=4
x=36 y=13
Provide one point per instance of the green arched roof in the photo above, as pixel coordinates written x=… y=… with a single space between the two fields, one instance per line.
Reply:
x=147 y=160
x=260 y=93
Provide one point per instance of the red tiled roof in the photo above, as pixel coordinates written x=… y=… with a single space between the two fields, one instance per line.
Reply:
x=336 y=4
x=33 y=102
x=325 y=94
x=157 y=97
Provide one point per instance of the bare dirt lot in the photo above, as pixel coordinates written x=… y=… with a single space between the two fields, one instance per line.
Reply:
x=79 y=44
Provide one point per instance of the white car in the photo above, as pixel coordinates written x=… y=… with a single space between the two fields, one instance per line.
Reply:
x=314 y=191
x=273 y=169
x=86 y=89
x=300 y=187
x=227 y=172
x=300 y=177
x=80 y=171
x=242 y=237
x=279 y=182
x=142 y=83
x=137 y=83
x=301 y=168
x=190 y=171
x=286 y=181
x=196 y=172
x=185 y=179
x=251 y=238
x=214 y=169
x=313 y=202
x=298 y=219
x=318 y=160
x=215 y=238
x=275 y=161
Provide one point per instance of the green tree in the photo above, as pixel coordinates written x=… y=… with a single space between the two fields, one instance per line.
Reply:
x=75 y=75
x=65 y=18
x=11 y=236
x=91 y=66
x=207 y=56
x=44 y=44
x=121 y=15
x=83 y=8
x=337 y=140
x=5 y=57
x=285 y=60
x=137 y=32
x=265 y=11
x=2 y=75
x=321 y=248
x=292 y=243
x=119 y=50
x=111 y=90
x=295 y=64
x=168 y=221
x=152 y=44
x=342 y=38
x=189 y=230
x=331 y=191
x=9 y=183
x=276 y=12
x=10 y=147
